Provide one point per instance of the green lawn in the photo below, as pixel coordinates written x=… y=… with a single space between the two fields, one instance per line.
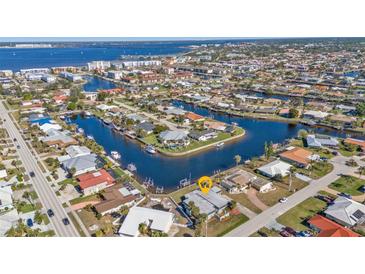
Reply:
x=243 y=200
x=294 y=217
x=318 y=170
x=268 y=232
x=70 y=181
x=348 y=184
x=89 y=198
x=218 y=228
x=176 y=195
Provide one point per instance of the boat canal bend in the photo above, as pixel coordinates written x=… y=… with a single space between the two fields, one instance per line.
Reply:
x=167 y=171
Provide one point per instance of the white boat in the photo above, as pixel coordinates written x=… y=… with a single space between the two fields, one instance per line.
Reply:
x=150 y=149
x=221 y=144
x=115 y=155
x=90 y=137
x=131 y=167
x=80 y=130
x=87 y=113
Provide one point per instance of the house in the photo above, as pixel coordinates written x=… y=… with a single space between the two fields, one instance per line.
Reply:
x=6 y=198
x=81 y=164
x=297 y=156
x=215 y=125
x=275 y=168
x=203 y=135
x=261 y=185
x=7 y=221
x=136 y=118
x=209 y=204
x=47 y=126
x=321 y=140
x=174 y=137
x=58 y=139
x=327 y=228
x=115 y=197
x=146 y=127
x=346 y=212
x=355 y=142
x=345 y=121
x=93 y=182
x=315 y=115
x=238 y=181
x=156 y=220
x=193 y=117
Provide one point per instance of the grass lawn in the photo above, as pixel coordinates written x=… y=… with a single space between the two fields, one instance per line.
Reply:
x=295 y=216
x=268 y=232
x=25 y=208
x=89 y=219
x=76 y=224
x=218 y=228
x=176 y=195
x=348 y=184
x=89 y=198
x=243 y=200
x=70 y=181
x=318 y=170
x=272 y=197
x=118 y=172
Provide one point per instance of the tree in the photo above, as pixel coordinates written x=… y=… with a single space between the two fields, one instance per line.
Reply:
x=26 y=195
x=361 y=171
x=293 y=113
x=269 y=150
x=102 y=96
x=302 y=133
x=143 y=228
x=360 y=109
x=72 y=171
x=71 y=106
x=38 y=217
x=237 y=159
x=291 y=172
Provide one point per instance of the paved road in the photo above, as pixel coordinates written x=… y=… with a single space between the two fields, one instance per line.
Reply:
x=46 y=194
x=270 y=214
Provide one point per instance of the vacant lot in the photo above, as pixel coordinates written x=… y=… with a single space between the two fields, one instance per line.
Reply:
x=218 y=228
x=348 y=184
x=294 y=217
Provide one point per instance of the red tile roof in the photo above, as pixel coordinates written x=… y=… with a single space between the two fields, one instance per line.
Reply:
x=193 y=116
x=95 y=178
x=329 y=228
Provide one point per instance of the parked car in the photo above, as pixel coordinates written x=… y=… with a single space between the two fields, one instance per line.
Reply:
x=32 y=174
x=29 y=222
x=50 y=213
x=326 y=199
x=335 y=153
x=283 y=200
x=65 y=221
x=14 y=139
x=262 y=234
x=18 y=147
x=290 y=230
x=285 y=233
x=346 y=195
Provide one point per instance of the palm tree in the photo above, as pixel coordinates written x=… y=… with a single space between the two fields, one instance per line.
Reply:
x=291 y=171
x=361 y=171
x=237 y=159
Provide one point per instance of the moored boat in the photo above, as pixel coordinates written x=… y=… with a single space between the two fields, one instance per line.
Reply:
x=150 y=149
x=220 y=144
x=115 y=155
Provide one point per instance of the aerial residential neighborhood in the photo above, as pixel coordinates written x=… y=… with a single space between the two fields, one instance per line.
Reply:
x=115 y=147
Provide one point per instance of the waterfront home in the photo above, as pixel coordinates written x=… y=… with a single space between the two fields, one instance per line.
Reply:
x=355 y=142
x=57 y=138
x=6 y=198
x=275 y=168
x=265 y=110
x=174 y=138
x=145 y=127
x=81 y=164
x=238 y=182
x=193 y=117
x=174 y=111
x=155 y=220
x=261 y=185
x=115 y=197
x=297 y=156
x=346 y=212
x=315 y=115
x=60 y=99
x=203 y=135
x=136 y=118
x=343 y=120
x=104 y=107
x=39 y=119
x=321 y=140
x=327 y=228
x=93 y=182
x=48 y=126
x=215 y=125
x=211 y=204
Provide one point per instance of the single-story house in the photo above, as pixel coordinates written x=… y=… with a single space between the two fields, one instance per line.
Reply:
x=203 y=135
x=275 y=168
x=211 y=203
x=7 y=221
x=315 y=115
x=341 y=119
x=327 y=228
x=93 y=182
x=261 y=185
x=193 y=117
x=356 y=142
x=136 y=118
x=297 y=156
x=81 y=164
x=238 y=181
x=174 y=137
x=346 y=212
x=321 y=140
x=58 y=139
x=156 y=220
x=115 y=197
x=215 y=125
x=48 y=126
x=146 y=127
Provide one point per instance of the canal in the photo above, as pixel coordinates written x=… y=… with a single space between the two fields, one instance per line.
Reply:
x=168 y=171
x=96 y=83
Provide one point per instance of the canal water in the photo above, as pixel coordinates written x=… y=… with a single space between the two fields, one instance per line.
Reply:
x=168 y=171
x=96 y=83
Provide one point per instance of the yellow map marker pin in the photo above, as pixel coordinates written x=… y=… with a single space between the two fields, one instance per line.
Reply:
x=205 y=184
